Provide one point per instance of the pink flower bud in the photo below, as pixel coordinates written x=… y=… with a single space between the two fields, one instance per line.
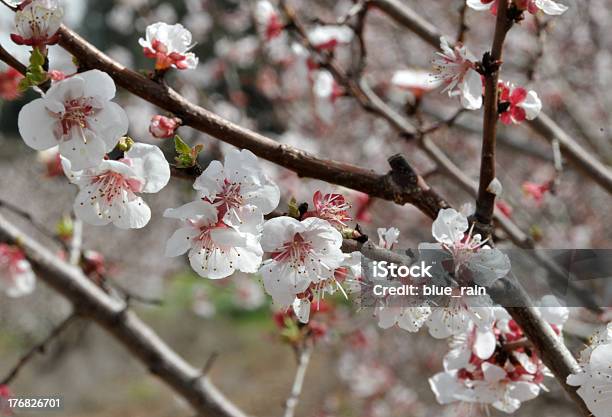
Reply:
x=163 y=127
x=9 y=84
x=56 y=75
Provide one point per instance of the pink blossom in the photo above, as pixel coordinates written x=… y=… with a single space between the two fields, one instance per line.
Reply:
x=9 y=84
x=521 y=104
x=56 y=75
x=163 y=127
x=330 y=207
x=5 y=395
x=16 y=276
x=536 y=191
x=505 y=208
x=268 y=20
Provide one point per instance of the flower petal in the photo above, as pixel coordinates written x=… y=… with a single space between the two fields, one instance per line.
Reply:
x=36 y=125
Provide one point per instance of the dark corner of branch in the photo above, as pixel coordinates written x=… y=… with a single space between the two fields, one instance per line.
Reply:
x=401 y=171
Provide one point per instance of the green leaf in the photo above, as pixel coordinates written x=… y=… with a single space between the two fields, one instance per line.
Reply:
x=294 y=211
x=180 y=146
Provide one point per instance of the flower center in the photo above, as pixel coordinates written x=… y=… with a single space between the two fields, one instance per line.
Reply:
x=294 y=251
x=229 y=198
x=76 y=114
x=112 y=184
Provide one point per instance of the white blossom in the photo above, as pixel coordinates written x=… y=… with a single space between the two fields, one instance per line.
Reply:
x=237 y=183
x=169 y=45
x=77 y=114
x=109 y=193
x=37 y=23
x=455 y=67
x=301 y=254
x=594 y=380
x=387 y=237
x=216 y=249
x=329 y=36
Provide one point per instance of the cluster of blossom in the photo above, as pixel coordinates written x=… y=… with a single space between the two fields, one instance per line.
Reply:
x=594 y=381
x=456 y=67
x=471 y=260
x=77 y=116
x=549 y=7
x=494 y=366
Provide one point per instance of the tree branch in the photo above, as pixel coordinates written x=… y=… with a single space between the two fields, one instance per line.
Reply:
x=38 y=348
x=485 y=203
x=89 y=301
x=586 y=163
x=296 y=389
x=302 y=163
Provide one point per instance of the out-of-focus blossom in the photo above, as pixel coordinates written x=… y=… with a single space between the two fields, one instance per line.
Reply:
x=504 y=207
x=37 y=23
x=536 y=191
x=16 y=276
x=520 y=104
x=248 y=294
x=163 y=127
x=362 y=207
x=328 y=37
x=77 y=115
x=268 y=20
x=455 y=68
x=169 y=45
x=9 y=84
x=202 y=305
x=326 y=91
x=418 y=82
x=241 y=52
x=330 y=207
x=5 y=395
x=109 y=192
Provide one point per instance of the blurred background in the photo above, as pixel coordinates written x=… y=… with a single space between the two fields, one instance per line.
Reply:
x=357 y=369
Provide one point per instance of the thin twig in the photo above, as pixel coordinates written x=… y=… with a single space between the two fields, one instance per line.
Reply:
x=586 y=163
x=112 y=314
x=76 y=243
x=38 y=348
x=296 y=389
x=485 y=203
x=463 y=27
